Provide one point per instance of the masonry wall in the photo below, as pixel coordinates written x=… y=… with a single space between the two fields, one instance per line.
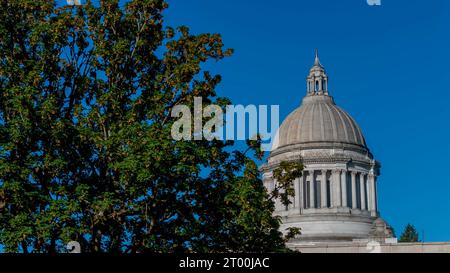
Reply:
x=373 y=248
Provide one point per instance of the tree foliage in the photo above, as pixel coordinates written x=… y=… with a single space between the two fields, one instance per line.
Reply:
x=409 y=235
x=85 y=147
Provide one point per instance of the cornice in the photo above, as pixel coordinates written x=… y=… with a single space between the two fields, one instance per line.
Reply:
x=322 y=145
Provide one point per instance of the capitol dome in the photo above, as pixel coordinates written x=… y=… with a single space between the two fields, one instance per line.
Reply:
x=319 y=119
x=336 y=197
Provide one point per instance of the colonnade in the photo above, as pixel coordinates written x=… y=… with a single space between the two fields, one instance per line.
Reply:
x=336 y=188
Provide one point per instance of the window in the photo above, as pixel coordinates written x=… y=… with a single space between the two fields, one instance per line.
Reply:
x=358 y=193
x=317 y=85
x=348 y=182
x=328 y=194
x=305 y=195
x=307 y=199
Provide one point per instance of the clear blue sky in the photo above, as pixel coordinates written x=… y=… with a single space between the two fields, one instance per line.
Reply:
x=388 y=67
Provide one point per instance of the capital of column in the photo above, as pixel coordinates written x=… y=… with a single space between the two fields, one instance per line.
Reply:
x=336 y=171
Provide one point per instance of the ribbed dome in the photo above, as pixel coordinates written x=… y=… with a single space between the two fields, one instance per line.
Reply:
x=319 y=119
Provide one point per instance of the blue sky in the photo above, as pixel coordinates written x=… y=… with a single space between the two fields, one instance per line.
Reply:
x=388 y=67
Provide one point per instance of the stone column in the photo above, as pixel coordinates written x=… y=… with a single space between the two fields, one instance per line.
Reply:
x=311 y=190
x=372 y=194
x=375 y=198
x=354 y=204
x=332 y=191
x=301 y=197
x=323 y=190
x=336 y=188
x=296 y=201
x=344 y=188
x=362 y=186
x=369 y=193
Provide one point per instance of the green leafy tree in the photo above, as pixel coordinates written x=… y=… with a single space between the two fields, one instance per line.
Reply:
x=86 y=152
x=409 y=235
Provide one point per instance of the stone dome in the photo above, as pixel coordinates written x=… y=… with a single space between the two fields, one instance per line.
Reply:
x=319 y=119
x=336 y=196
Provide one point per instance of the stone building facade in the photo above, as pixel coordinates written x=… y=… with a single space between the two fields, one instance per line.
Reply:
x=336 y=197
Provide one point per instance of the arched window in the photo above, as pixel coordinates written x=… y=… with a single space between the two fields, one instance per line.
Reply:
x=317 y=86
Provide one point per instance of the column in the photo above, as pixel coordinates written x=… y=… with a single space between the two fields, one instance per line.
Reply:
x=372 y=194
x=369 y=193
x=336 y=188
x=344 y=188
x=362 y=186
x=296 y=202
x=353 y=175
x=301 y=196
x=311 y=190
x=375 y=185
x=323 y=189
x=375 y=195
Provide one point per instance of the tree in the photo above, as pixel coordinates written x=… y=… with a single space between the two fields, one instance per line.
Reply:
x=85 y=149
x=409 y=234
